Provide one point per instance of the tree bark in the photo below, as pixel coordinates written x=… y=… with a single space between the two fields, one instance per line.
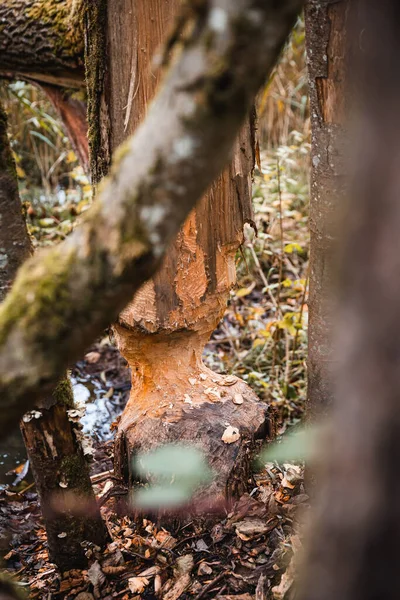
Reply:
x=163 y=331
x=64 y=297
x=15 y=245
x=56 y=450
x=354 y=553
x=326 y=36
x=42 y=40
x=51 y=432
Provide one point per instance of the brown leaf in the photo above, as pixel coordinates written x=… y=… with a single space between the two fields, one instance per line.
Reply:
x=137 y=585
x=204 y=569
x=92 y=357
x=251 y=527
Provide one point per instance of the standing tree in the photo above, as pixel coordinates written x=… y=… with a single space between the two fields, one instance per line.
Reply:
x=162 y=332
x=354 y=554
x=326 y=37
x=51 y=431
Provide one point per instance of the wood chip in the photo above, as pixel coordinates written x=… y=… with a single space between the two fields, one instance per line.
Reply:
x=230 y=435
x=238 y=399
x=229 y=380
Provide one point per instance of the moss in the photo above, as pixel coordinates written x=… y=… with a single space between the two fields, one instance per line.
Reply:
x=64 y=18
x=38 y=300
x=95 y=68
x=75 y=470
x=63 y=394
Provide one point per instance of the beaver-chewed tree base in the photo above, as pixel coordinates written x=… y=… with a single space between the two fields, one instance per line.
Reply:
x=175 y=398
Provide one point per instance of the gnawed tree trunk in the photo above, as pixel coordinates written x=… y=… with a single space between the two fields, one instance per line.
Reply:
x=326 y=35
x=162 y=333
x=83 y=283
x=42 y=40
x=354 y=554
x=52 y=431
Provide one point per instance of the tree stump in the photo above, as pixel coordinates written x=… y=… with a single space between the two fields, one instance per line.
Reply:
x=162 y=333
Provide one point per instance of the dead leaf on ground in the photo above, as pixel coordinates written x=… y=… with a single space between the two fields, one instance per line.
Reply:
x=251 y=527
x=96 y=578
x=92 y=357
x=137 y=585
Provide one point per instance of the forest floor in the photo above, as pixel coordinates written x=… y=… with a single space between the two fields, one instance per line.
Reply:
x=248 y=551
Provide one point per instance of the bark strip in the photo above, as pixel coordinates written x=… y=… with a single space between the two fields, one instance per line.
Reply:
x=65 y=296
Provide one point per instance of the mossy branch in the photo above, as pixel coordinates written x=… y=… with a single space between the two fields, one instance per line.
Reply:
x=64 y=297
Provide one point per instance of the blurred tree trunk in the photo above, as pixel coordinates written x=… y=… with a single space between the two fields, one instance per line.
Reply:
x=162 y=333
x=354 y=550
x=51 y=431
x=326 y=38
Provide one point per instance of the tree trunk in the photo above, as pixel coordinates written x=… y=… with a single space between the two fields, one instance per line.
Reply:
x=354 y=554
x=42 y=40
x=56 y=450
x=51 y=432
x=15 y=245
x=326 y=34
x=162 y=333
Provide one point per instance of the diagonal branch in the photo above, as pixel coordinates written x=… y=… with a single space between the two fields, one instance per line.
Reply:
x=64 y=297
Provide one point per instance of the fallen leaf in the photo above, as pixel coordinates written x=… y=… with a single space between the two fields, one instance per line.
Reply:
x=96 y=578
x=204 y=569
x=137 y=585
x=251 y=527
x=92 y=357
